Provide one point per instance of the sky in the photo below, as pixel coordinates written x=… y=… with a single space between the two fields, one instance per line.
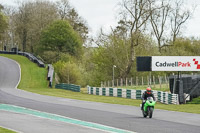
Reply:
x=98 y=13
x=102 y=14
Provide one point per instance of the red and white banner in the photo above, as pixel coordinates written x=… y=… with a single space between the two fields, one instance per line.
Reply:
x=175 y=63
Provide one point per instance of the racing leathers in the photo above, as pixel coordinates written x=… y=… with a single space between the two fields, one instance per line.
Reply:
x=144 y=98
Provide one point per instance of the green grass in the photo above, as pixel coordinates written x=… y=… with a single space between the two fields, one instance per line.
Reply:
x=3 y=130
x=34 y=80
x=32 y=76
x=195 y=101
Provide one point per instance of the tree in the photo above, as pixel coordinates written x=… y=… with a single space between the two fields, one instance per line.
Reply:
x=179 y=16
x=114 y=50
x=10 y=36
x=158 y=19
x=68 y=72
x=1 y=7
x=3 y=22
x=30 y=19
x=168 y=13
x=60 y=36
x=22 y=19
x=184 y=47
x=134 y=15
x=66 y=12
x=63 y=7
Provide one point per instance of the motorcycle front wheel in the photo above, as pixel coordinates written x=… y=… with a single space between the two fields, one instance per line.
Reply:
x=144 y=114
x=150 y=112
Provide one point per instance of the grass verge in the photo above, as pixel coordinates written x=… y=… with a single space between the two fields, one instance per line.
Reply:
x=33 y=80
x=195 y=101
x=32 y=76
x=3 y=130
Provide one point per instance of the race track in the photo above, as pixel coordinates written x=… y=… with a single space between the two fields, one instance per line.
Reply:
x=118 y=117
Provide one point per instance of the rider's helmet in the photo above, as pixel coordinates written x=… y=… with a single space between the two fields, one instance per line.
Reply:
x=148 y=90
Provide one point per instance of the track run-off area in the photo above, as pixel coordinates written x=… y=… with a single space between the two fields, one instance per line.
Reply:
x=27 y=112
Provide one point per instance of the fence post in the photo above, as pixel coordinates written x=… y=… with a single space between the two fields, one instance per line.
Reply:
x=166 y=81
x=136 y=81
x=154 y=82
x=160 y=80
x=142 y=81
x=150 y=79
x=131 y=81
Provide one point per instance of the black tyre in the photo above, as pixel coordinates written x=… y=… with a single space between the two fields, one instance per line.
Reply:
x=144 y=114
x=150 y=112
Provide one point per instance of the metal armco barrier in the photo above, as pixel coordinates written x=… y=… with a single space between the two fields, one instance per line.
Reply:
x=31 y=57
x=71 y=87
x=50 y=74
x=163 y=97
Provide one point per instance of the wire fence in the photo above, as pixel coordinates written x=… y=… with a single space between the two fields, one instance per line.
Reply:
x=153 y=81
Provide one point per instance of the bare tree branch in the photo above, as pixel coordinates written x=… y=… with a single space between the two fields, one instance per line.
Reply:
x=158 y=21
x=178 y=18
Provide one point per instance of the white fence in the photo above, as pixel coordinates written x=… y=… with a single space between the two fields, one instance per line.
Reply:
x=163 y=97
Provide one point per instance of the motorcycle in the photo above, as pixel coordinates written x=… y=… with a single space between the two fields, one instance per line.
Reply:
x=148 y=107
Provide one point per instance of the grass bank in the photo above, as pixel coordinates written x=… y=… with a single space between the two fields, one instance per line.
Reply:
x=32 y=76
x=33 y=80
x=3 y=130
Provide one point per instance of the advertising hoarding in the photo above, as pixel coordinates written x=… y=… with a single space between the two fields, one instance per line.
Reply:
x=175 y=63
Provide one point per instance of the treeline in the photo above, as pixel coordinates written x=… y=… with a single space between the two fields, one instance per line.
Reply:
x=56 y=33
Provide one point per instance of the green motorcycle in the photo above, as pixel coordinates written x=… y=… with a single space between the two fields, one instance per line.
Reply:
x=148 y=107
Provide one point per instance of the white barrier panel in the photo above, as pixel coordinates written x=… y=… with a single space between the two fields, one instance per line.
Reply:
x=164 y=97
x=133 y=94
x=124 y=93
x=115 y=92
x=94 y=90
x=107 y=91
x=100 y=91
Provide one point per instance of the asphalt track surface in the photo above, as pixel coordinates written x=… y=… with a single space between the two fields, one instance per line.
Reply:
x=128 y=118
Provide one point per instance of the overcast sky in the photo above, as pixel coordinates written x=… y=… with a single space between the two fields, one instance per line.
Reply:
x=98 y=13
x=101 y=13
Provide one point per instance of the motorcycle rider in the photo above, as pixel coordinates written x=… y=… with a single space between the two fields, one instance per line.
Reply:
x=147 y=93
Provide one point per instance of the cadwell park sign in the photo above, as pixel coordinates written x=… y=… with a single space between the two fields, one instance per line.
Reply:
x=168 y=63
x=182 y=85
x=175 y=63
